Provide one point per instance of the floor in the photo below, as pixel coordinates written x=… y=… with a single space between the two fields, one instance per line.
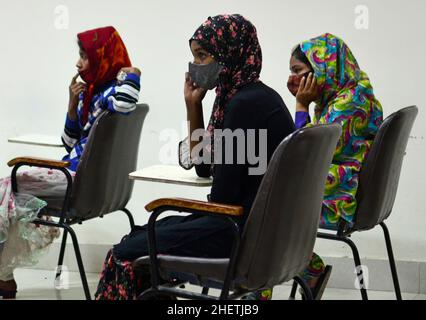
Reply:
x=39 y=285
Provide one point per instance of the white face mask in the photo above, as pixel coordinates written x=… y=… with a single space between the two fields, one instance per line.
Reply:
x=205 y=76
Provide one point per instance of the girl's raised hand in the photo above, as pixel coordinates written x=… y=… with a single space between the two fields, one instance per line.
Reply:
x=131 y=70
x=75 y=89
x=308 y=91
x=193 y=94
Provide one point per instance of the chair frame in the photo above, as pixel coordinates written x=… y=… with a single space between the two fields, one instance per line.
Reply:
x=343 y=235
x=64 y=222
x=344 y=232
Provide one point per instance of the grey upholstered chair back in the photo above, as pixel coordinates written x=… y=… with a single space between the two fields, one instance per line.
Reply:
x=102 y=184
x=380 y=173
x=281 y=229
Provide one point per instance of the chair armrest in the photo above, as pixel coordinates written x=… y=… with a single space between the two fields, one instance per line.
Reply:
x=33 y=161
x=59 y=165
x=182 y=204
x=157 y=207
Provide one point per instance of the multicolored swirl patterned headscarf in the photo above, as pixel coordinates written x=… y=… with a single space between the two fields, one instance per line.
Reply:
x=232 y=41
x=347 y=98
x=107 y=55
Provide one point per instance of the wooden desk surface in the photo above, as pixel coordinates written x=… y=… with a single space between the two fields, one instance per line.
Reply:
x=172 y=175
x=38 y=140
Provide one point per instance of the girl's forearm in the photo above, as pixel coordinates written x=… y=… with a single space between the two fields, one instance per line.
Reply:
x=72 y=114
x=300 y=107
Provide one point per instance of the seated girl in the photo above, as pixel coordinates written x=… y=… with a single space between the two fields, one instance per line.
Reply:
x=227 y=56
x=102 y=56
x=325 y=72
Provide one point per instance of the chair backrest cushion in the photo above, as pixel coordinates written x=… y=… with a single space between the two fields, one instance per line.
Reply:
x=280 y=232
x=380 y=173
x=102 y=182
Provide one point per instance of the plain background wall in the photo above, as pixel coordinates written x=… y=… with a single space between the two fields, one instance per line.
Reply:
x=38 y=60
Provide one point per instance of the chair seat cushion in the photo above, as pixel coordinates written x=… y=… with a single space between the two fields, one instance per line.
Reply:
x=54 y=206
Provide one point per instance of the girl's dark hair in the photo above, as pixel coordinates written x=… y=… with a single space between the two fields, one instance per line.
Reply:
x=299 y=55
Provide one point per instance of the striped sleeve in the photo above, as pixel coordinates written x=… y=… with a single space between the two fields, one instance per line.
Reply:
x=123 y=98
x=71 y=134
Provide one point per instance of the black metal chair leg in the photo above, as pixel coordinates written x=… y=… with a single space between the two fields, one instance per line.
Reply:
x=205 y=291
x=79 y=261
x=130 y=216
x=306 y=290
x=61 y=254
x=392 y=261
x=149 y=294
x=355 y=254
x=358 y=267
x=293 y=291
x=224 y=294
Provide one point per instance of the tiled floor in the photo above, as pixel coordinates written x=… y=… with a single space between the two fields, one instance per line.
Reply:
x=39 y=285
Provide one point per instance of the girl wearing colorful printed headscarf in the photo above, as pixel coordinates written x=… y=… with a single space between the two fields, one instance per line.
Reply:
x=325 y=72
x=227 y=56
x=102 y=56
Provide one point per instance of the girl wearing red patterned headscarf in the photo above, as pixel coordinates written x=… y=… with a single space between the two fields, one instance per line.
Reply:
x=103 y=56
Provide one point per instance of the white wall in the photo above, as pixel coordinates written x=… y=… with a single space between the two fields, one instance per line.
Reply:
x=37 y=62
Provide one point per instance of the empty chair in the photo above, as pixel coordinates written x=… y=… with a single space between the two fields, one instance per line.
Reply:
x=278 y=238
x=101 y=184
